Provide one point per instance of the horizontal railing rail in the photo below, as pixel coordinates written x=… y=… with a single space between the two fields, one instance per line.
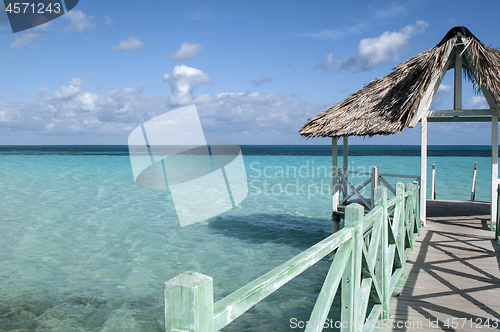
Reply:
x=370 y=252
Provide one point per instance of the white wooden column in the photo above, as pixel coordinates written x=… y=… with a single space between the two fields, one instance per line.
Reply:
x=494 y=169
x=423 y=168
x=335 y=176
x=457 y=91
x=345 y=163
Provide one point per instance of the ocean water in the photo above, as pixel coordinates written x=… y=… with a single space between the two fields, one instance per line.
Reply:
x=83 y=248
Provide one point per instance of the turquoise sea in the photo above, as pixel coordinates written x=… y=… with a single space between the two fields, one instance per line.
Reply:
x=83 y=248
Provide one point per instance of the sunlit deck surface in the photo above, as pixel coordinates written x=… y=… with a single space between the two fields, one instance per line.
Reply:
x=452 y=272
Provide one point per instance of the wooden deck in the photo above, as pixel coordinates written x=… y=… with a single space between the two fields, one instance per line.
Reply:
x=452 y=272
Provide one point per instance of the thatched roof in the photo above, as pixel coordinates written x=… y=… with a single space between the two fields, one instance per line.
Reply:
x=386 y=105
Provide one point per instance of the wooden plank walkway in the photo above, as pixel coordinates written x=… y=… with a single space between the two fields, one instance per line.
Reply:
x=452 y=272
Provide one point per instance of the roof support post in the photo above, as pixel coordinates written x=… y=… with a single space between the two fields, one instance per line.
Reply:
x=423 y=169
x=335 y=176
x=345 y=164
x=335 y=186
x=494 y=170
x=458 y=79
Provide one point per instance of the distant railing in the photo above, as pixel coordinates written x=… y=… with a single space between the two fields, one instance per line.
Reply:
x=474 y=179
x=376 y=179
x=370 y=254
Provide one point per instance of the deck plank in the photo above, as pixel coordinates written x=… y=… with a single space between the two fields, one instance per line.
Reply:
x=452 y=272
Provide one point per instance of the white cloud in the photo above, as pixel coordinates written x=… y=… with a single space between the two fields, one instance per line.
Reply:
x=183 y=80
x=256 y=82
x=108 y=21
x=325 y=65
x=25 y=39
x=133 y=43
x=476 y=102
x=384 y=48
x=79 y=21
x=71 y=99
x=187 y=51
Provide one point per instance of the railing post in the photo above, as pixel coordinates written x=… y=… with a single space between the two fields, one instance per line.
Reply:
x=383 y=268
x=401 y=223
x=416 y=204
x=351 y=280
x=433 y=195
x=474 y=176
x=189 y=303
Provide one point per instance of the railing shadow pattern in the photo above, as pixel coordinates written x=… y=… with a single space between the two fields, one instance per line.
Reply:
x=370 y=254
x=453 y=282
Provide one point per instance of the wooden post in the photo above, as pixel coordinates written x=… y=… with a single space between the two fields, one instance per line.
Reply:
x=433 y=195
x=383 y=268
x=399 y=224
x=415 y=198
x=345 y=164
x=335 y=186
x=497 y=232
x=374 y=184
x=189 y=303
x=351 y=279
x=494 y=169
x=457 y=91
x=473 y=193
x=423 y=168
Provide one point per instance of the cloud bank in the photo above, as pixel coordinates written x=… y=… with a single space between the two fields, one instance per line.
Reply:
x=74 y=115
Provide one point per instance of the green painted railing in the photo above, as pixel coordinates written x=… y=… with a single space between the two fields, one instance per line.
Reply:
x=370 y=254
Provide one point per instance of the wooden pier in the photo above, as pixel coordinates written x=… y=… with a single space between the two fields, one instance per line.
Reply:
x=453 y=273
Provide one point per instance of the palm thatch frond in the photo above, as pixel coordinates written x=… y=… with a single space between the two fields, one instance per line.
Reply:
x=386 y=105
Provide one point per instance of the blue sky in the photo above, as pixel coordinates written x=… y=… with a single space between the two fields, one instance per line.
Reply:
x=256 y=70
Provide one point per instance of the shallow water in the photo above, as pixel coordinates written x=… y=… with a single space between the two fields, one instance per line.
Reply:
x=84 y=249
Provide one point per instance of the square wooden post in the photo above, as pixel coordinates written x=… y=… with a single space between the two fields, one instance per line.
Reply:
x=335 y=186
x=423 y=169
x=189 y=303
x=351 y=279
x=383 y=266
x=494 y=169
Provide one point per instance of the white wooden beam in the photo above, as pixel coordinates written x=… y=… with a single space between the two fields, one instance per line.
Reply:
x=423 y=169
x=494 y=170
x=459 y=119
x=429 y=94
x=457 y=90
x=468 y=112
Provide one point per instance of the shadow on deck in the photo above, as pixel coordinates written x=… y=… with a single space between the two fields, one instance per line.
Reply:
x=453 y=273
